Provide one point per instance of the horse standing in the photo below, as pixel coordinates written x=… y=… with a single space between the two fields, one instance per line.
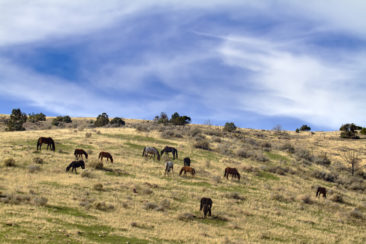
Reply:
x=186 y=169
x=79 y=153
x=48 y=140
x=74 y=165
x=105 y=155
x=187 y=161
x=168 y=150
x=233 y=172
x=151 y=151
x=206 y=205
x=169 y=166
x=321 y=191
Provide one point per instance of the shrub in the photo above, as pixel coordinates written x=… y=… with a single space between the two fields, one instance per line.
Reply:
x=288 y=148
x=96 y=165
x=87 y=174
x=9 y=162
x=38 y=160
x=322 y=160
x=102 y=120
x=150 y=205
x=349 y=131
x=16 y=121
x=243 y=153
x=36 y=117
x=176 y=119
x=102 y=206
x=337 y=198
x=186 y=217
x=229 y=127
x=356 y=213
x=40 y=201
x=304 y=154
x=305 y=128
x=363 y=131
x=34 y=168
x=306 y=199
x=194 y=132
x=59 y=120
x=117 y=122
x=202 y=144
x=88 y=135
x=98 y=187
x=297 y=130
x=324 y=176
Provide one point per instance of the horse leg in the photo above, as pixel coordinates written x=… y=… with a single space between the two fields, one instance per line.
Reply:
x=209 y=211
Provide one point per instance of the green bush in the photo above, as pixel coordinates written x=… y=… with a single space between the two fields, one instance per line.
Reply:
x=176 y=119
x=305 y=128
x=36 y=117
x=16 y=121
x=61 y=119
x=349 y=131
x=230 y=127
x=117 y=121
x=363 y=131
x=102 y=120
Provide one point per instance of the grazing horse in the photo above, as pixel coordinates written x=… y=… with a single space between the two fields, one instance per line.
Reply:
x=233 y=172
x=168 y=150
x=187 y=169
x=79 y=153
x=206 y=205
x=187 y=161
x=105 y=155
x=48 y=140
x=151 y=151
x=321 y=190
x=169 y=166
x=74 y=165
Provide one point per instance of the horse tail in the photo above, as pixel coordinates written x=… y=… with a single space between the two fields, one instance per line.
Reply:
x=68 y=167
x=53 y=145
x=193 y=171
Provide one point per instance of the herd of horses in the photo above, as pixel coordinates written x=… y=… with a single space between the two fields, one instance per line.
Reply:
x=152 y=152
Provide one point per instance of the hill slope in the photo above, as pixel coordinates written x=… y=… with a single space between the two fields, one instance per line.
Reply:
x=131 y=200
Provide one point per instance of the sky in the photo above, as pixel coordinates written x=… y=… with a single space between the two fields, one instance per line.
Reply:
x=258 y=64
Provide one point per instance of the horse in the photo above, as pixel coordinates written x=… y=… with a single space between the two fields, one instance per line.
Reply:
x=187 y=169
x=48 y=140
x=233 y=172
x=187 y=161
x=79 y=153
x=321 y=190
x=206 y=205
x=168 y=150
x=169 y=166
x=105 y=155
x=74 y=165
x=151 y=151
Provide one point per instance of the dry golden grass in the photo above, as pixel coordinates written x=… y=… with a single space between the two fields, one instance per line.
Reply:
x=134 y=202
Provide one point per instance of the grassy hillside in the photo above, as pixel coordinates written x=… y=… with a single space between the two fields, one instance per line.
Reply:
x=132 y=201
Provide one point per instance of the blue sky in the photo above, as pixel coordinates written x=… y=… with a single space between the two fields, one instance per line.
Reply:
x=256 y=63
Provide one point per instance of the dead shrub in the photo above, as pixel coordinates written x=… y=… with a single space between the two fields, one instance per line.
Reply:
x=279 y=197
x=225 y=149
x=235 y=195
x=322 y=160
x=217 y=179
x=34 y=168
x=98 y=187
x=202 y=144
x=9 y=162
x=170 y=134
x=150 y=206
x=88 y=135
x=38 y=160
x=15 y=199
x=87 y=174
x=40 y=201
x=142 y=128
x=96 y=165
x=194 y=132
x=216 y=139
x=304 y=154
x=243 y=153
x=278 y=170
x=356 y=213
x=186 y=217
x=259 y=157
x=306 y=199
x=337 y=198
x=102 y=206
x=287 y=147
x=324 y=176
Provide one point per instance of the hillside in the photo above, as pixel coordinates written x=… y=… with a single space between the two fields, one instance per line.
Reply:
x=132 y=201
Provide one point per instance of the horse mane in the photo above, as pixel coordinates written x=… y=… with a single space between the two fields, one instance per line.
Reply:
x=70 y=165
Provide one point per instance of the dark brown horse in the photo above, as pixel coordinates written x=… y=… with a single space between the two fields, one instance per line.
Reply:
x=168 y=150
x=75 y=164
x=233 y=172
x=187 y=161
x=321 y=191
x=206 y=205
x=105 y=155
x=48 y=140
x=79 y=153
x=186 y=169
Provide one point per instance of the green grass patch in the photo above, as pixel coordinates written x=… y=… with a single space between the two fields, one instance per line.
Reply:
x=213 y=220
x=135 y=146
x=267 y=176
x=120 y=174
x=277 y=157
x=69 y=211
x=52 y=183
x=195 y=183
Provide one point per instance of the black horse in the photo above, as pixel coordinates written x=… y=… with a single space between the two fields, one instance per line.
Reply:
x=75 y=164
x=187 y=161
x=79 y=153
x=168 y=150
x=48 y=140
x=206 y=205
x=321 y=191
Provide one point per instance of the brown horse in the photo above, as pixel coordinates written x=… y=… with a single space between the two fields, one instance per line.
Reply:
x=48 y=140
x=105 y=155
x=233 y=172
x=187 y=169
x=79 y=153
x=321 y=191
x=206 y=205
